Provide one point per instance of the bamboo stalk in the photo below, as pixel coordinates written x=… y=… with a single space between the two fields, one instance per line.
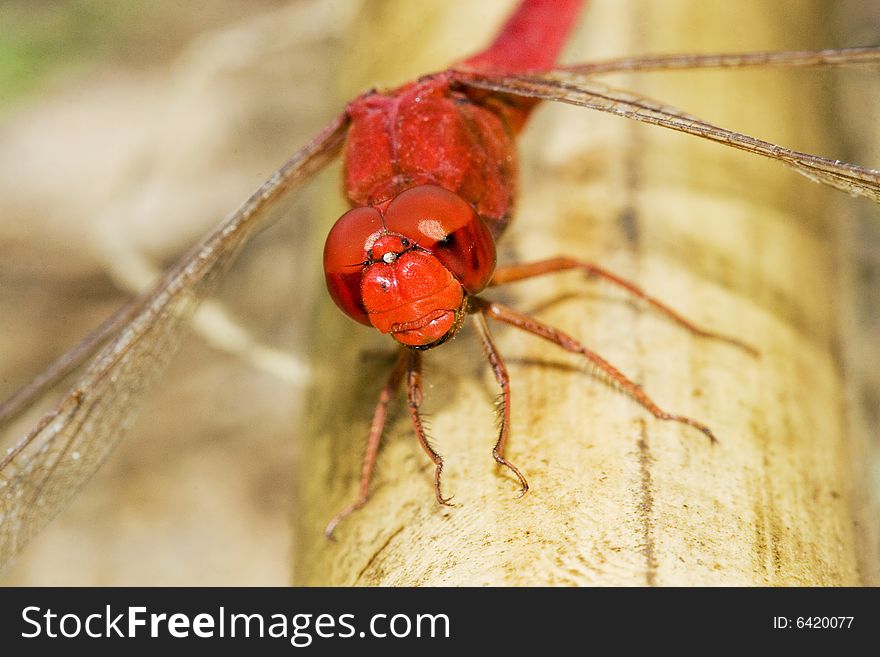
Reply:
x=858 y=308
x=736 y=244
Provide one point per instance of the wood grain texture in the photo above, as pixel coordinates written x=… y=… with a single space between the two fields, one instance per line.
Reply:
x=858 y=302
x=617 y=497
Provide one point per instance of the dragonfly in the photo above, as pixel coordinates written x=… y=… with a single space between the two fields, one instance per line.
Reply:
x=65 y=447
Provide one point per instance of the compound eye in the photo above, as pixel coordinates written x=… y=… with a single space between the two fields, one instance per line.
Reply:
x=444 y=224
x=345 y=252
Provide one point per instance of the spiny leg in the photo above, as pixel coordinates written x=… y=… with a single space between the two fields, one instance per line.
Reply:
x=376 y=429
x=414 y=394
x=532 y=325
x=500 y=372
x=519 y=272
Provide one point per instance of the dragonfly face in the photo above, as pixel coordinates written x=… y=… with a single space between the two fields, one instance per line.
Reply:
x=406 y=267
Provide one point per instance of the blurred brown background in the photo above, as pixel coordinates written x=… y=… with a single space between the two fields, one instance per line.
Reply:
x=158 y=120
x=151 y=122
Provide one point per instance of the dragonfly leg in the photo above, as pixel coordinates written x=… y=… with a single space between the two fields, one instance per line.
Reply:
x=500 y=372
x=376 y=429
x=414 y=395
x=526 y=323
x=519 y=272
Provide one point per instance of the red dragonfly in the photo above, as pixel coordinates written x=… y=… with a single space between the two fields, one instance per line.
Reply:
x=40 y=473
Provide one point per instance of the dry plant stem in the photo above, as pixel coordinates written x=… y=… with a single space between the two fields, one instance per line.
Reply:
x=731 y=243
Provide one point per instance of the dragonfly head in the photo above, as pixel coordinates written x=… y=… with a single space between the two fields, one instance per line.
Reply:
x=407 y=267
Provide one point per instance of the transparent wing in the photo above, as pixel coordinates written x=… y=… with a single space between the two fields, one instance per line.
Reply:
x=46 y=467
x=793 y=58
x=575 y=87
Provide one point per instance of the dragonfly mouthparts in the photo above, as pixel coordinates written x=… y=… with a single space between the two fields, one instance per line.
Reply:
x=420 y=322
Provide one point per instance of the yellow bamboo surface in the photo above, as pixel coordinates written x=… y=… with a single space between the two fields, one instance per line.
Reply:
x=736 y=244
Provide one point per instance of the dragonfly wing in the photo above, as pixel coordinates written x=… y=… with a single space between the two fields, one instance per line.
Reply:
x=46 y=467
x=69 y=362
x=792 y=58
x=577 y=89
